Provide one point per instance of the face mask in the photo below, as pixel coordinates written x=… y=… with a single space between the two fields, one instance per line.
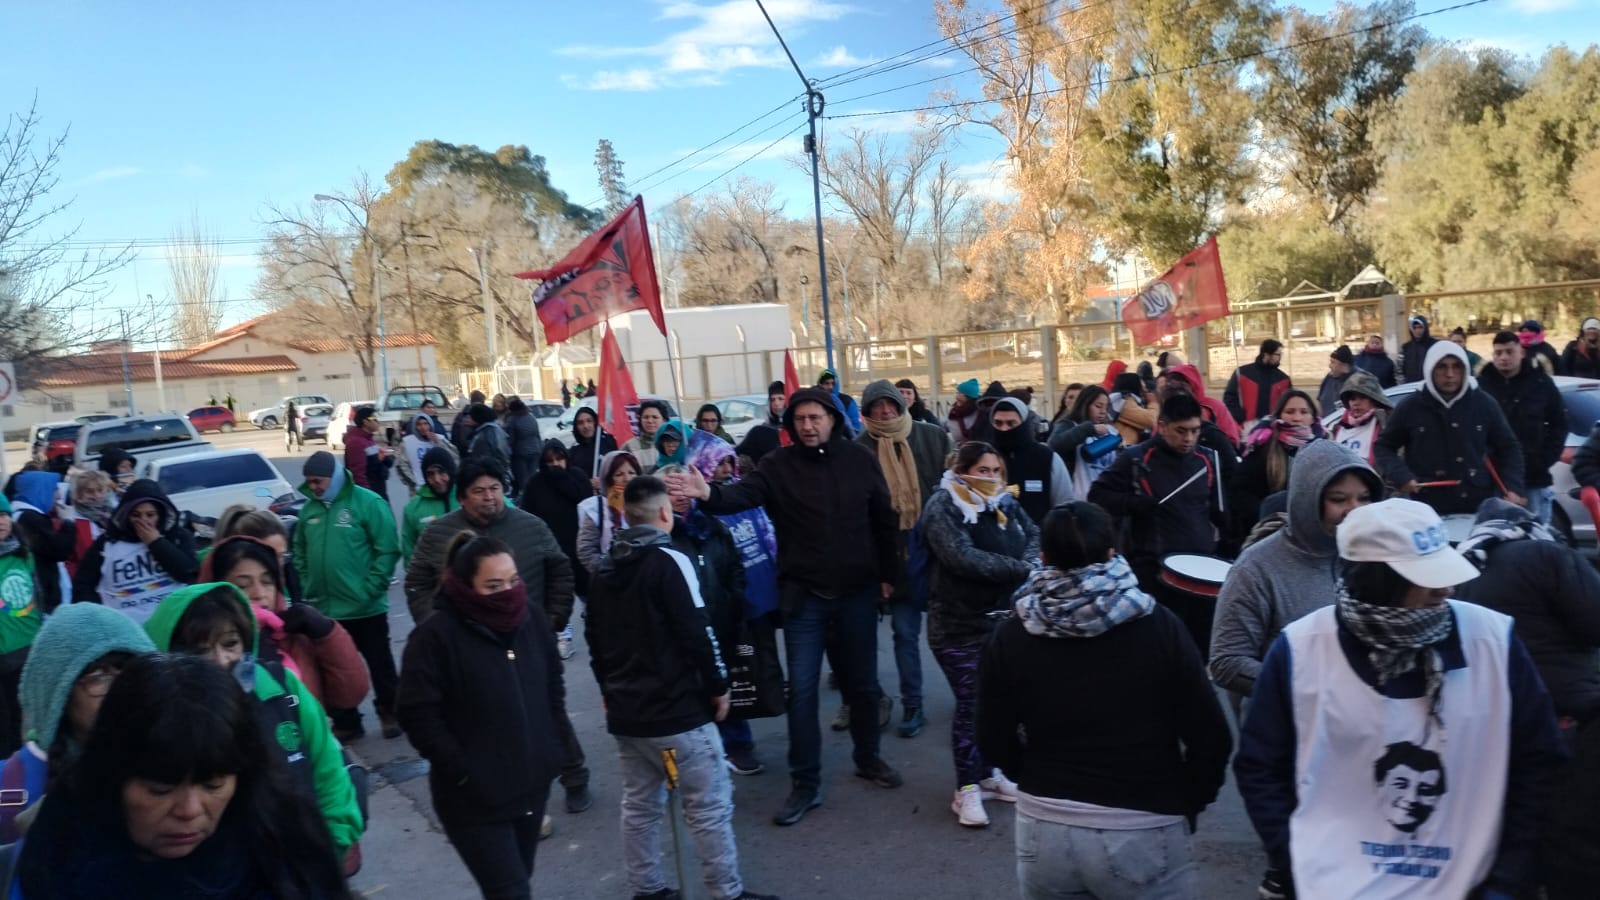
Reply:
x=1008 y=440
x=1529 y=338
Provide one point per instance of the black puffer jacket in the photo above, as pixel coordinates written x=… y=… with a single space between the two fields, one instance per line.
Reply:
x=1554 y=594
x=974 y=568
x=829 y=507
x=1537 y=416
x=1135 y=484
x=483 y=708
x=650 y=641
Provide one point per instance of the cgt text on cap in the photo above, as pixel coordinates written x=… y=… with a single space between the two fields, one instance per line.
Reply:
x=1410 y=538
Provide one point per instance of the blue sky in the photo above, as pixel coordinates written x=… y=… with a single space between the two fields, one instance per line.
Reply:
x=218 y=109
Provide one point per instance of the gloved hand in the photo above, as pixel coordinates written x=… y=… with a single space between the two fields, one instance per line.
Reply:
x=303 y=619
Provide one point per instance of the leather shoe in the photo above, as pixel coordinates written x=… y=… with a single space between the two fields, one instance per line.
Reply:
x=579 y=799
x=800 y=801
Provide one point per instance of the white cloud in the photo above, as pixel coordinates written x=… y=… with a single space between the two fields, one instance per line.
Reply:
x=839 y=58
x=987 y=179
x=115 y=172
x=1535 y=7
x=716 y=38
x=630 y=80
x=1517 y=44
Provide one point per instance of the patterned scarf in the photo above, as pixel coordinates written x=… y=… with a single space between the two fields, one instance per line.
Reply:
x=1081 y=603
x=10 y=545
x=975 y=496
x=1488 y=533
x=899 y=467
x=1291 y=436
x=1399 y=640
x=1351 y=420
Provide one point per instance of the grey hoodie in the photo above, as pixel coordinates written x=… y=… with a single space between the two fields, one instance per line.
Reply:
x=1285 y=576
x=929 y=444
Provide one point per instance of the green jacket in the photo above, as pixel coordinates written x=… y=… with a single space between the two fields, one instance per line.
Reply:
x=345 y=552
x=306 y=742
x=19 y=617
x=422 y=509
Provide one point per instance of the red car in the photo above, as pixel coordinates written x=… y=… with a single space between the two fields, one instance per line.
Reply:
x=211 y=418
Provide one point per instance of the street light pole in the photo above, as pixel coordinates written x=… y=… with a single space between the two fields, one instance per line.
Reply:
x=844 y=274
x=377 y=278
x=814 y=106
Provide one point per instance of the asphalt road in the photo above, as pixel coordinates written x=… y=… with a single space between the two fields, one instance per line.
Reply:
x=864 y=842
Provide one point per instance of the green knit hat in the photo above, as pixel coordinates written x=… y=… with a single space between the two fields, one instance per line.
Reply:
x=72 y=638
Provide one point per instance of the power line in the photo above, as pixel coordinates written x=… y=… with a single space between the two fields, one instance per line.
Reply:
x=1104 y=82
x=743 y=162
x=836 y=80
x=725 y=151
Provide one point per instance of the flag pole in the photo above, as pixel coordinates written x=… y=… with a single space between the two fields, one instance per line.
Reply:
x=599 y=420
x=677 y=389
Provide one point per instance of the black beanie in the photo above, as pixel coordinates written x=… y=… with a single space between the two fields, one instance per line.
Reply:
x=775 y=389
x=1270 y=346
x=438 y=457
x=319 y=465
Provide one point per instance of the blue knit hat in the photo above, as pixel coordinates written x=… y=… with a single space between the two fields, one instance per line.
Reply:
x=969 y=389
x=72 y=638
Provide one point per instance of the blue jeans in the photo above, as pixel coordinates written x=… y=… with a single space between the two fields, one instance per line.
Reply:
x=1055 y=862
x=707 y=794
x=854 y=618
x=1540 y=501
x=905 y=620
x=736 y=735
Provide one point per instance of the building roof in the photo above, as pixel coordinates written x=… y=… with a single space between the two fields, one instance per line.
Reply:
x=106 y=368
x=392 y=341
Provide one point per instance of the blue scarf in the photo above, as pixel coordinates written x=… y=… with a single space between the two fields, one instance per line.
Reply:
x=1081 y=603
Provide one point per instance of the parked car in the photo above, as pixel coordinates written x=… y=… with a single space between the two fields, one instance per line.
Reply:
x=146 y=437
x=272 y=416
x=205 y=484
x=404 y=401
x=52 y=439
x=742 y=413
x=1581 y=397
x=563 y=430
x=342 y=419
x=211 y=418
x=547 y=414
x=314 y=420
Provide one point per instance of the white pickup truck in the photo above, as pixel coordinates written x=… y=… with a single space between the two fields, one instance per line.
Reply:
x=146 y=437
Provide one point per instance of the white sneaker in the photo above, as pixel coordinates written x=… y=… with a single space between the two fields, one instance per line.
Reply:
x=998 y=787
x=564 y=647
x=968 y=807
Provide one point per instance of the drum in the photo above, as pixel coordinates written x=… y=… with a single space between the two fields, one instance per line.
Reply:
x=1194 y=574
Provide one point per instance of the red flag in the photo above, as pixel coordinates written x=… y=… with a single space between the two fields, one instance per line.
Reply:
x=612 y=271
x=791 y=383
x=1190 y=293
x=615 y=389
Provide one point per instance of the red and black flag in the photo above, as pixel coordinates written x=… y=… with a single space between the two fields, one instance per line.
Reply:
x=612 y=271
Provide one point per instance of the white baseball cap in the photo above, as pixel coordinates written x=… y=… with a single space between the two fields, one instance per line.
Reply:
x=1410 y=538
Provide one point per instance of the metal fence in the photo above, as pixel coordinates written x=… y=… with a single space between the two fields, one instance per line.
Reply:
x=1050 y=357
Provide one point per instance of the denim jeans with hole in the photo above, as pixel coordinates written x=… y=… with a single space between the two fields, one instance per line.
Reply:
x=1056 y=862
x=707 y=794
x=853 y=618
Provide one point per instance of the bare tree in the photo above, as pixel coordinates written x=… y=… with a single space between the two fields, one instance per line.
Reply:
x=946 y=194
x=45 y=274
x=196 y=298
x=316 y=269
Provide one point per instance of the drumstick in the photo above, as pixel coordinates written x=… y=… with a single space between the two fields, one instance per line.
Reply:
x=1197 y=474
x=1438 y=484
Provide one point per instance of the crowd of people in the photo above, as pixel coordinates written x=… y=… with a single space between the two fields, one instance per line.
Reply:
x=1124 y=599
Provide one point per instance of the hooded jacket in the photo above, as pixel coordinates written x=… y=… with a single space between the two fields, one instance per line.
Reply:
x=1450 y=441
x=330 y=666
x=1414 y=354
x=484 y=709
x=345 y=549
x=414 y=450
x=1581 y=359
x=929 y=444
x=20 y=616
x=973 y=568
x=837 y=530
x=1038 y=478
x=75 y=636
x=1254 y=390
x=1213 y=410
x=290 y=716
x=125 y=574
x=1537 y=415
x=1285 y=576
x=582 y=456
x=421 y=511
x=553 y=494
x=673 y=428
x=651 y=645
x=1553 y=593
x=545 y=571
